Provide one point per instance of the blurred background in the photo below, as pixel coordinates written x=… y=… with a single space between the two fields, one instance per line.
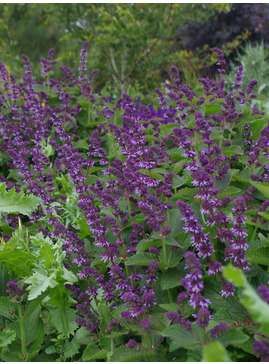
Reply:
x=134 y=45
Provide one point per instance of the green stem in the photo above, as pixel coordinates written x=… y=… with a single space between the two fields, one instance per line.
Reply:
x=63 y=315
x=255 y=230
x=196 y=338
x=23 y=348
x=204 y=335
x=111 y=348
x=164 y=252
x=148 y=342
x=170 y=295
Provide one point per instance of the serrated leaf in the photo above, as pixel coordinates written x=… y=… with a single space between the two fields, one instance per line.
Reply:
x=63 y=320
x=171 y=278
x=179 y=334
x=262 y=187
x=124 y=354
x=233 y=337
x=70 y=349
x=12 y=202
x=259 y=256
x=39 y=282
x=257 y=127
x=5 y=306
x=251 y=300
x=230 y=190
x=232 y=150
x=140 y=259
x=215 y=352
x=93 y=352
x=18 y=261
x=34 y=331
x=6 y=338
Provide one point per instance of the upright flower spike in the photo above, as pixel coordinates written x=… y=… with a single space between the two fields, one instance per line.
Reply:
x=221 y=61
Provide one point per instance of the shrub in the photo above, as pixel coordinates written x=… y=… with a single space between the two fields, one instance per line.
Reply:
x=145 y=219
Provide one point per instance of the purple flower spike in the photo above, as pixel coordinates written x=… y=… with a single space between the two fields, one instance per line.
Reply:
x=218 y=330
x=203 y=317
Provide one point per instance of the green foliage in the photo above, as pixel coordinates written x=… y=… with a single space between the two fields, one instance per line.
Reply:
x=6 y=338
x=251 y=300
x=13 y=202
x=255 y=60
x=215 y=352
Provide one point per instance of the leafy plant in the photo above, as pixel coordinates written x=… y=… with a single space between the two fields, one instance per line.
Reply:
x=125 y=229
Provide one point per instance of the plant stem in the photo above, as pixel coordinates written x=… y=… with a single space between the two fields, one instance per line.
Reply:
x=170 y=295
x=196 y=338
x=23 y=349
x=204 y=335
x=164 y=252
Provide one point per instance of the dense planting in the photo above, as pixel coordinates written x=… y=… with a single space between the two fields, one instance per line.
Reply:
x=130 y=234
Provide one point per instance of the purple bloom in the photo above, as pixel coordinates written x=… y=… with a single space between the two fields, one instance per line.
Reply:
x=264 y=292
x=251 y=85
x=218 y=330
x=131 y=344
x=203 y=317
x=227 y=289
x=261 y=347
x=145 y=324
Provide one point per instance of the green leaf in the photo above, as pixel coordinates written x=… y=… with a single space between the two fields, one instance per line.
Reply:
x=215 y=352
x=63 y=320
x=34 y=331
x=259 y=256
x=169 y=307
x=124 y=354
x=257 y=127
x=230 y=190
x=6 y=338
x=262 y=187
x=251 y=300
x=212 y=109
x=81 y=144
x=39 y=282
x=12 y=202
x=179 y=334
x=233 y=337
x=185 y=192
x=232 y=150
x=234 y=275
x=6 y=306
x=171 y=278
x=18 y=261
x=70 y=349
x=93 y=352
x=140 y=259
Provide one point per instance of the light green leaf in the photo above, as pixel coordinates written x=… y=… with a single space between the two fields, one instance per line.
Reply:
x=251 y=300
x=140 y=259
x=262 y=187
x=6 y=338
x=39 y=282
x=124 y=354
x=179 y=334
x=233 y=337
x=18 y=261
x=6 y=306
x=63 y=320
x=215 y=352
x=70 y=349
x=259 y=256
x=12 y=202
x=234 y=275
x=93 y=352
